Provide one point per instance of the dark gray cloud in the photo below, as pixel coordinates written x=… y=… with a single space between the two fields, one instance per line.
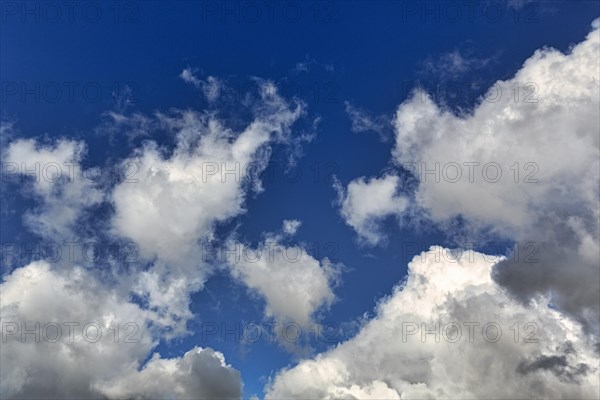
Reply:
x=558 y=365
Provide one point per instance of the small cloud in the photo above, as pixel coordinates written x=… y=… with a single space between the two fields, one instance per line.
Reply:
x=364 y=121
x=290 y=226
x=362 y=213
x=188 y=75
x=455 y=63
x=211 y=87
x=123 y=97
x=308 y=63
x=301 y=66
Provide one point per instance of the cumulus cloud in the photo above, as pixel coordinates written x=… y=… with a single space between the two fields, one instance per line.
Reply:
x=168 y=207
x=365 y=202
x=58 y=182
x=179 y=198
x=500 y=170
x=402 y=353
x=199 y=374
x=294 y=285
x=66 y=335
x=525 y=165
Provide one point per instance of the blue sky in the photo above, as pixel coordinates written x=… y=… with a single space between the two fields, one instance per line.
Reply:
x=64 y=76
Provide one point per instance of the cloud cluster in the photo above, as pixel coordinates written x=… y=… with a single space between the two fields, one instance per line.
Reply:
x=402 y=353
x=180 y=197
x=537 y=177
x=67 y=335
x=168 y=207
x=524 y=166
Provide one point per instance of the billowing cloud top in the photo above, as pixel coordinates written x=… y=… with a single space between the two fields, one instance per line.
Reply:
x=437 y=332
x=524 y=165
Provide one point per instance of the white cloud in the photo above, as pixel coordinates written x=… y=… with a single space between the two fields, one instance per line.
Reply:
x=523 y=166
x=179 y=198
x=133 y=126
x=364 y=203
x=291 y=226
x=544 y=141
x=69 y=365
x=386 y=360
x=455 y=64
x=363 y=121
x=308 y=63
x=199 y=374
x=168 y=207
x=58 y=182
x=556 y=128
x=188 y=75
x=293 y=284
x=169 y=203
x=211 y=87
